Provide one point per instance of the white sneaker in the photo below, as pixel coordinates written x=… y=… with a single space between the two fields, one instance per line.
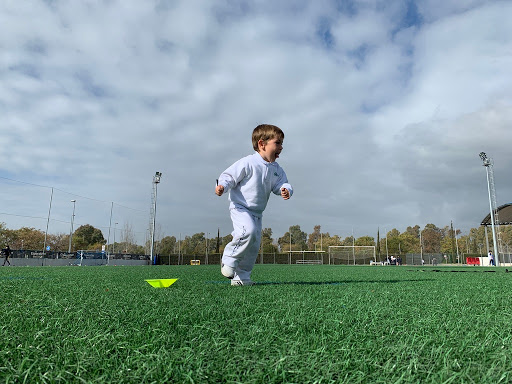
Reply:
x=242 y=282
x=227 y=271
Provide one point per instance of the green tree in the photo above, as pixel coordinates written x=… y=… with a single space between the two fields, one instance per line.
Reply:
x=88 y=237
x=298 y=240
x=409 y=243
x=431 y=238
x=318 y=241
x=464 y=244
x=348 y=241
x=384 y=248
x=330 y=241
x=393 y=242
x=267 y=243
x=286 y=243
x=365 y=240
x=506 y=233
x=446 y=246
x=3 y=235
x=299 y=237
x=131 y=249
x=217 y=241
x=198 y=244
x=167 y=246
x=24 y=238
x=452 y=241
x=314 y=238
x=414 y=231
x=58 y=242
x=478 y=240
x=185 y=246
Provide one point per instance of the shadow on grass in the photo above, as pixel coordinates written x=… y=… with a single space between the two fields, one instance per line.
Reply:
x=345 y=282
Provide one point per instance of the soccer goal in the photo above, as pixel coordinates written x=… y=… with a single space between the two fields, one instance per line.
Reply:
x=306 y=257
x=351 y=254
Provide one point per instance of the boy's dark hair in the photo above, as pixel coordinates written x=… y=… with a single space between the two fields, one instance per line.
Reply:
x=265 y=132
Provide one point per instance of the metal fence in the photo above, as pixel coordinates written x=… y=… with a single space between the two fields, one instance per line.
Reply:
x=52 y=255
x=102 y=258
x=426 y=259
x=263 y=258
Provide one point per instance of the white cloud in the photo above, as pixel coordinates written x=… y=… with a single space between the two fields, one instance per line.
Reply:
x=96 y=97
x=457 y=69
x=432 y=10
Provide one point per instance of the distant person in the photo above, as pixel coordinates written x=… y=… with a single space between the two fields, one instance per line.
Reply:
x=250 y=181
x=7 y=253
x=491 y=259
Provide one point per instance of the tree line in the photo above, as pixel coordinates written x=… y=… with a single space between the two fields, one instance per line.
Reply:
x=430 y=239
x=85 y=237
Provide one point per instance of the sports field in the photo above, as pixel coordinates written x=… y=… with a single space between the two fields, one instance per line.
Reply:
x=300 y=324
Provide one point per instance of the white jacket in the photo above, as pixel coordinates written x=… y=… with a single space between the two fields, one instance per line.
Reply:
x=250 y=181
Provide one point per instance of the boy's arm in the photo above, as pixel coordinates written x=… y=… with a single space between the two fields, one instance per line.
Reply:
x=230 y=177
x=282 y=183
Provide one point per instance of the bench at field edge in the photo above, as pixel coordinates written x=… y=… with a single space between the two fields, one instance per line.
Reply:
x=309 y=262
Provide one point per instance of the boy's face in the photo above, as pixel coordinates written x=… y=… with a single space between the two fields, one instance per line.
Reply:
x=270 y=149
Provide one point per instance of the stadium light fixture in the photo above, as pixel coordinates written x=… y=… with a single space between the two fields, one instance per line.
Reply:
x=71 y=230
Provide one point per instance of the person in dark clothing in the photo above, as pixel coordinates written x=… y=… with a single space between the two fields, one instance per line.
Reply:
x=7 y=253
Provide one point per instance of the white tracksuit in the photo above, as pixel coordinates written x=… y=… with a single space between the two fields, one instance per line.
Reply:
x=249 y=181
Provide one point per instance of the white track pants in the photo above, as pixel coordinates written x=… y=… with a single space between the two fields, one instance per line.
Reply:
x=242 y=251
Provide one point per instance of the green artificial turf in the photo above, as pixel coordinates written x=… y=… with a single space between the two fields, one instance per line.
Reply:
x=300 y=324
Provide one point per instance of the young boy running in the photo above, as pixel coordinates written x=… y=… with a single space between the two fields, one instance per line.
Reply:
x=249 y=182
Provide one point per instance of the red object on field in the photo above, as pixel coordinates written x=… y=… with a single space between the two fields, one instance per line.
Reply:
x=472 y=260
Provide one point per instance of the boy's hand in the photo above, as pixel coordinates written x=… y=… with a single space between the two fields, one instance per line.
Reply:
x=219 y=190
x=285 y=193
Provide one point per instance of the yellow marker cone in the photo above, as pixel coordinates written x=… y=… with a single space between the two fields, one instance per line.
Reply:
x=161 y=283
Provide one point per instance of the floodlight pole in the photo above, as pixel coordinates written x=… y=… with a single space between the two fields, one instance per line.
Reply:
x=206 y=258
x=421 y=247
x=156 y=180
x=48 y=223
x=487 y=163
x=114 y=243
x=109 y=227
x=71 y=230
x=290 y=252
x=387 y=252
x=457 y=246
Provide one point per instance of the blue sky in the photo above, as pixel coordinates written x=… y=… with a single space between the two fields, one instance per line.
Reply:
x=385 y=107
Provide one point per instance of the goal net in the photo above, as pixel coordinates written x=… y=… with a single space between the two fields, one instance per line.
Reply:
x=351 y=255
x=306 y=257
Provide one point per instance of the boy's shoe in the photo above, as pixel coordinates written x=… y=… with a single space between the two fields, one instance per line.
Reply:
x=227 y=271
x=242 y=282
